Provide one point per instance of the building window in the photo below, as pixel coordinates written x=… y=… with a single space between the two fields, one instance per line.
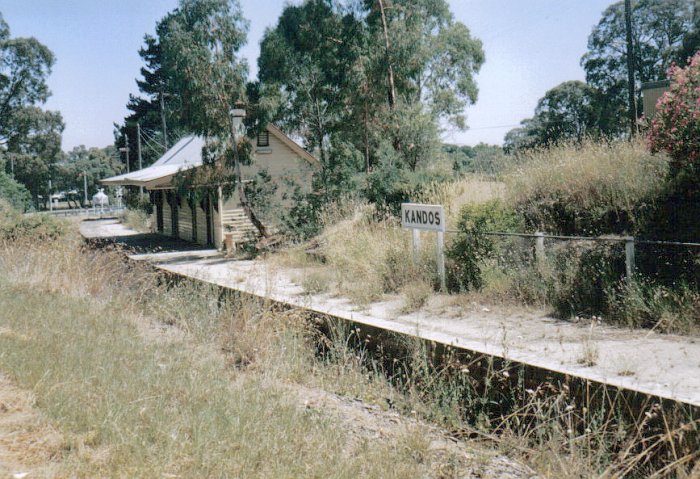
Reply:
x=264 y=138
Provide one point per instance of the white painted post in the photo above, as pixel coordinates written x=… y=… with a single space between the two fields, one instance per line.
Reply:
x=539 y=248
x=416 y=245
x=220 y=200
x=441 y=259
x=629 y=257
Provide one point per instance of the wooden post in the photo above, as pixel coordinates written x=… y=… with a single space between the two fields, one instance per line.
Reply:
x=416 y=245
x=441 y=259
x=629 y=257
x=220 y=202
x=539 y=248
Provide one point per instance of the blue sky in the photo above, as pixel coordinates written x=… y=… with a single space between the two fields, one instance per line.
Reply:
x=531 y=46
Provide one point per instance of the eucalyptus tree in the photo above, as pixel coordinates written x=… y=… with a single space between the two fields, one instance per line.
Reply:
x=367 y=71
x=659 y=28
x=308 y=57
x=30 y=137
x=568 y=112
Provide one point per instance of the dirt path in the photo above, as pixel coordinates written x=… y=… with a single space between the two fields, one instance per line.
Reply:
x=29 y=446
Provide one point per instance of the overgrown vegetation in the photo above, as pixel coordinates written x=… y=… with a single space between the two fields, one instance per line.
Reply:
x=580 y=189
x=588 y=189
x=39 y=227
x=215 y=396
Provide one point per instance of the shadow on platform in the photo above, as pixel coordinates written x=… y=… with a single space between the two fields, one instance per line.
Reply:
x=148 y=243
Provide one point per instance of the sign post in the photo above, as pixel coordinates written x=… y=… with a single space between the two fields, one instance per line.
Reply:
x=417 y=217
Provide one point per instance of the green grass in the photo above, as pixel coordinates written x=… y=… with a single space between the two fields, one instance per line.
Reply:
x=213 y=399
x=217 y=394
x=167 y=408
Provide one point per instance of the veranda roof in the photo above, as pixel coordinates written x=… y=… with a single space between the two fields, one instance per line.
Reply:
x=185 y=154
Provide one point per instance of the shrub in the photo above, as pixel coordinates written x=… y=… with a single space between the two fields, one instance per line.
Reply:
x=134 y=200
x=581 y=275
x=15 y=226
x=592 y=188
x=466 y=253
x=14 y=193
x=642 y=303
x=676 y=126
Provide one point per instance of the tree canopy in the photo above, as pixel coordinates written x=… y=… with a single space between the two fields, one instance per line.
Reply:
x=30 y=137
x=658 y=30
x=567 y=112
x=662 y=32
x=367 y=72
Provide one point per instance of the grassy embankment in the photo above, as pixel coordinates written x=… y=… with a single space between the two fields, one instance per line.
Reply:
x=218 y=393
x=589 y=190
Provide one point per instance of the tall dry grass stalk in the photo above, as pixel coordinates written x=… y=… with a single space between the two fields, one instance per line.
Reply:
x=597 y=176
x=470 y=189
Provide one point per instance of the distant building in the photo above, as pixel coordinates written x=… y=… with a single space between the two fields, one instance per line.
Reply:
x=651 y=92
x=204 y=218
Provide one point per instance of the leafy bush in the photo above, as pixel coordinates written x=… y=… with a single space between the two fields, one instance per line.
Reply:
x=134 y=200
x=676 y=126
x=594 y=188
x=466 y=253
x=15 y=226
x=14 y=193
x=581 y=276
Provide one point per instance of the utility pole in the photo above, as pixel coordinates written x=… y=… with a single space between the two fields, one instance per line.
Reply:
x=50 y=201
x=85 y=187
x=126 y=141
x=138 y=149
x=162 y=119
x=632 y=98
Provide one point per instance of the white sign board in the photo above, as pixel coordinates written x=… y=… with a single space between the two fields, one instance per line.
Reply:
x=423 y=217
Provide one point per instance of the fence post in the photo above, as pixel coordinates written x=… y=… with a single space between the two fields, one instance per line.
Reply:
x=441 y=260
x=416 y=245
x=629 y=257
x=539 y=248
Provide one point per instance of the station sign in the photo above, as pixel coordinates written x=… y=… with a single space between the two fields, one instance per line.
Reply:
x=423 y=217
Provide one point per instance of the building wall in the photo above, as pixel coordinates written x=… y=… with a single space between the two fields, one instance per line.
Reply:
x=285 y=167
x=651 y=92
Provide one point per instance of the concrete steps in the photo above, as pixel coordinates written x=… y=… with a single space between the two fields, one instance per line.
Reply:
x=238 y=223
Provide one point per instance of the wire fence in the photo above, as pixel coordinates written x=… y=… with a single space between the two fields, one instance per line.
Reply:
x=650 y=249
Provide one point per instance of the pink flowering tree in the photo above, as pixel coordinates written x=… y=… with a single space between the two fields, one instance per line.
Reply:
x=676 y=127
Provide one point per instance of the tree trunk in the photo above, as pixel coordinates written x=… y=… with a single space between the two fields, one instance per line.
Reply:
x=390 y=69
x=366 y=121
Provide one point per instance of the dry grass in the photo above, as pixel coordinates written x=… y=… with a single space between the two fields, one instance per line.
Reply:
x=137 y=407
x=471 y=189
x=595 y=177
x=371 y=258
x=139 y=220
x=129 y=406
